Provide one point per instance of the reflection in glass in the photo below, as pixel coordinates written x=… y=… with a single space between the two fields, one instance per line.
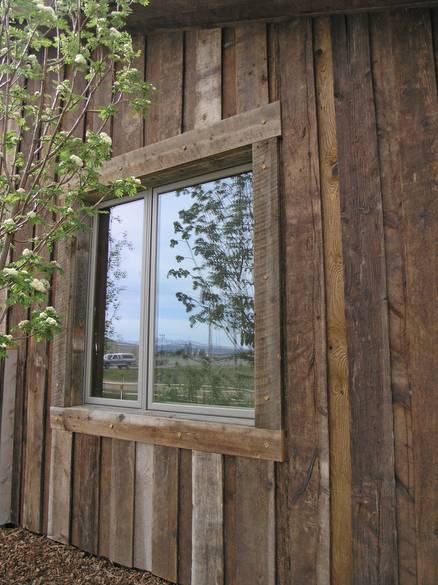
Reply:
x=118 y=291
x=204 y=307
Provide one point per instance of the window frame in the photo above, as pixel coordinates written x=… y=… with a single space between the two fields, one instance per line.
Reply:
x=254 y=136
x=145 y=403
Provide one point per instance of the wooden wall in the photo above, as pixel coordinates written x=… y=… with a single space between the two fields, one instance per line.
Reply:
x=357 y=500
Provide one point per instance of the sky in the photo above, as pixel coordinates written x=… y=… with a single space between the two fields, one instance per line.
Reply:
x=171 y=317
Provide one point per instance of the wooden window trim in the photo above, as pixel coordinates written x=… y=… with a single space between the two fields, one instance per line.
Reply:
x=199 y=435
x=252 y=136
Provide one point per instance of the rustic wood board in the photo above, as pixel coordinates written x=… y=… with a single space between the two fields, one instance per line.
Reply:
x=232 y=439
x=196 y=145
x=339 y=411
x=207 y=531
x=60 y=487
x=8 y=388
x=143 y=521
x=85 y=493
x=267 y=291
x=251 y=66
x=187 y=14
x=121 y=531
x=165 y=512
x=185 y=510
x=249 y=522
x=165 y=68
x=105 y=497
x=407 y=117
x=302 y=502
x=36 y=380
x=372 y=449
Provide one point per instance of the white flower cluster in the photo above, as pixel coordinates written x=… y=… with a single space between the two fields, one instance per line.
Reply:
x=39 y=285
x=48 y=10
x=77 y=161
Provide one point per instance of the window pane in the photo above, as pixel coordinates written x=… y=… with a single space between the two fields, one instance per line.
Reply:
x=118 y=302
x=204 y=309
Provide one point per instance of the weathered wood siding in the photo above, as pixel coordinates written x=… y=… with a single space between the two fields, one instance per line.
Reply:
x=357 y=499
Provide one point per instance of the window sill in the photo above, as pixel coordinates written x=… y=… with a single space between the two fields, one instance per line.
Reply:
x=213 y=437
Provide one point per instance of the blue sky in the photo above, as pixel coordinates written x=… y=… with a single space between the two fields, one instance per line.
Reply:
x=172 y=319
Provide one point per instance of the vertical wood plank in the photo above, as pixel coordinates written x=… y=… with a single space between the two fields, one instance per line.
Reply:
x=85 y=496
x=208 y=84
x=207 y=501
x=7 y=423
x=407 y=116
x=35 y=414
x=165 y=513
x=121 y=530
x=228 y=72
x=387 y=95
x=248 y=530
x=302 y=503
x=127 y=127
x=185 y=517
x=143 y=506
x=267 y=291
x=372 y=452
x=251 y=66
x=164 y=68
x=60 y=487
x=105 y=497
x=207 y=532
x=337 y=359
x=252 y=490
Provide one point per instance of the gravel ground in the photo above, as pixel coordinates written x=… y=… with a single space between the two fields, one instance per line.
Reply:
x=36 y=560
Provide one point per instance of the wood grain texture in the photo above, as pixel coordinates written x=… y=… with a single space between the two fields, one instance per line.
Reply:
x=194 y=146
x=372 y=449
x=302 y=504
x=128 y=126
x=207 y=468
x=228 y=72
x=249 y=522
x=85 y=493
x=35 y=411
x=143 y=506
x=185 y=511
x=207 y=532
x=251 y=66
x=337 y=359
x=64 y=292
x=60 y=487
x=165 y=513
x=164 y=68
x=387 y=95
x=105 y=497
x=267 y=290
x=407 y=118
x=121 y=529
x=247 y=528
x=7 y=423
x=231 y=439
x=190 y=14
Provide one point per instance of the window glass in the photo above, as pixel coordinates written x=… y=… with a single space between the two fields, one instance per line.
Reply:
x=116 y=335
x=203 y=335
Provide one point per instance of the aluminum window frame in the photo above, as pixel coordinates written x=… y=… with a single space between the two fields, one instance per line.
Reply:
x=144 y=402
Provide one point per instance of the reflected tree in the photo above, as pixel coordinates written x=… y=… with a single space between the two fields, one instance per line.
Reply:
x=115 y=276
x=214 y=244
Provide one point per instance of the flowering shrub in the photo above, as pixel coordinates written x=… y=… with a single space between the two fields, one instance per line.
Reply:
x=54 y=55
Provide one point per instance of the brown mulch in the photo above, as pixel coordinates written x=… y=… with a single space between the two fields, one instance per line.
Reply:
x=35 y=560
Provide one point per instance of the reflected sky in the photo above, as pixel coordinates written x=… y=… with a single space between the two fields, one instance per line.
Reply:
x=126 y=231
x=126 y=228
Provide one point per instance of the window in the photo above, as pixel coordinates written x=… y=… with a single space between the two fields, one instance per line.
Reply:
x=172 y=309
